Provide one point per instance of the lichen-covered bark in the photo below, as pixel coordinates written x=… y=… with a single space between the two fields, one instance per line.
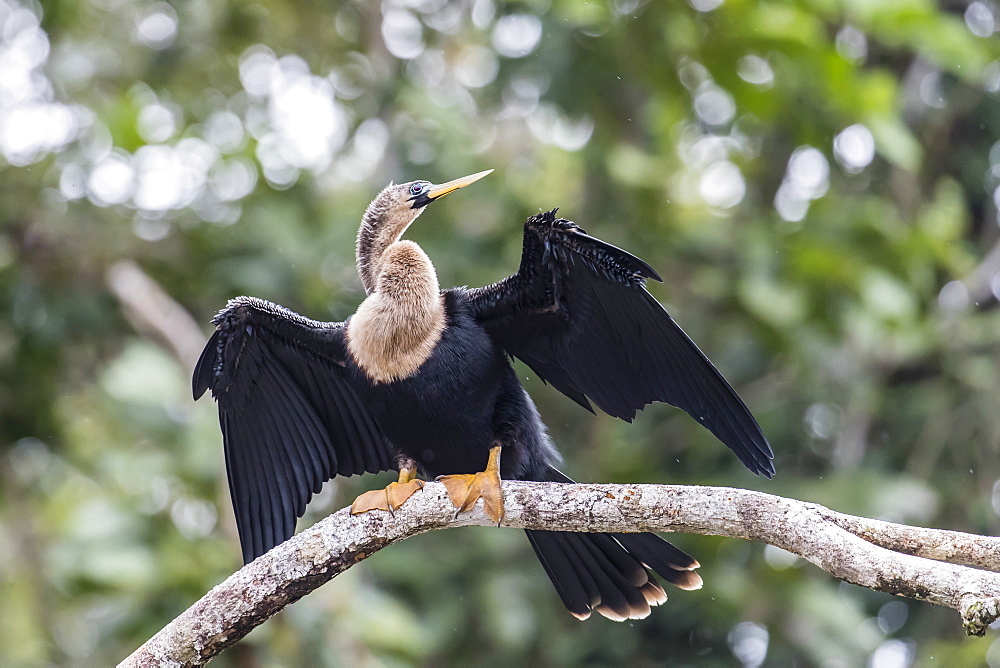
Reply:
x=925 y=564
x=955 y=547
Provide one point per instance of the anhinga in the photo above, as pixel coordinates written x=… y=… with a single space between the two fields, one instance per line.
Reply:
x=420 y=379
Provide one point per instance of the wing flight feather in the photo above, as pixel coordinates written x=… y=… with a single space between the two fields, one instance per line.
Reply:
x=290 y=417
x=578 y=314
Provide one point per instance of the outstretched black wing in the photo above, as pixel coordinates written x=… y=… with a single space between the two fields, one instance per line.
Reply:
x=577 y=312
x=290 y=419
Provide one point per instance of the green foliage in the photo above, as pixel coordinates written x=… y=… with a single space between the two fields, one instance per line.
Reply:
x=817 y=182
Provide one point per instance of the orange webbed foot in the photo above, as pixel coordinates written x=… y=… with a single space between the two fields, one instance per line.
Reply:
x=466 y=488
x=393 y=496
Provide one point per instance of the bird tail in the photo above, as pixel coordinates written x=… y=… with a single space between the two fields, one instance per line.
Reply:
x=610 y=573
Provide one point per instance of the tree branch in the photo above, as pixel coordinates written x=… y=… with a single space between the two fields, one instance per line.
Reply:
x=924 y=564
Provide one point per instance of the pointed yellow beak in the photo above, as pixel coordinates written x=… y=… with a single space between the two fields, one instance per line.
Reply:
x=443 y=189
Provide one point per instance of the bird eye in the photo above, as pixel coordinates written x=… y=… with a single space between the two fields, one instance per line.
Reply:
x=416 y=189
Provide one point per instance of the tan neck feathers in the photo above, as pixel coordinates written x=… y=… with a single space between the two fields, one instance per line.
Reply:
x=396 y=328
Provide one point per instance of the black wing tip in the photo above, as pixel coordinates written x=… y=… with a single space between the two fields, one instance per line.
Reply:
x=648 y=272
x=581 y=400
x=247 y=544
x=752 y=447
x=763 y=453
x=197 y=389
x=198 y=384
x=633 y=263
x=768 y=469
x=547 y=221
x=203 y=377
x=761 y=461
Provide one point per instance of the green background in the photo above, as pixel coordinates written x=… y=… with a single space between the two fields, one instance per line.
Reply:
x=816 y=181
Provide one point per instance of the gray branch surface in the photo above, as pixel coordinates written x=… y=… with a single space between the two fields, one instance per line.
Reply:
x=924 y=564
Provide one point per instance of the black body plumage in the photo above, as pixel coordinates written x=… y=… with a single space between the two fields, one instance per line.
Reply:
x=296 y=409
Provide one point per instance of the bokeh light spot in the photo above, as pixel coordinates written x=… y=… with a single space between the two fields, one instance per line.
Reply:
x=722 y=185
x=402 y=34
x=852 y=43
x=980 y=19
x=713 y=105
x=111 y=181
x=476 y=67
x=748 y=642
x=892 y=653
x=755 y=70
x=156 y=123
x=224 y=130
x=517 y=35
x=706 y=5
x=158 y=28
x=854 y=148
x=954 y=297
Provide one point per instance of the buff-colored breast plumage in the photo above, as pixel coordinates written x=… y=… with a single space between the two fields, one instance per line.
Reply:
x=396 y=328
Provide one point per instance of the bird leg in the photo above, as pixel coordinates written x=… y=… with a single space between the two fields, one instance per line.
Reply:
x=393 y=496
x=467 y=488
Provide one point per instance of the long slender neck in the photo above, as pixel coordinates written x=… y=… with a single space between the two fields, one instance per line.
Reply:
x=398 y=325
x=381 y=226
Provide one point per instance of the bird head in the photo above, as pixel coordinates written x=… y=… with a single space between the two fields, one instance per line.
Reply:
x=392 y=211
x=407 y=200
